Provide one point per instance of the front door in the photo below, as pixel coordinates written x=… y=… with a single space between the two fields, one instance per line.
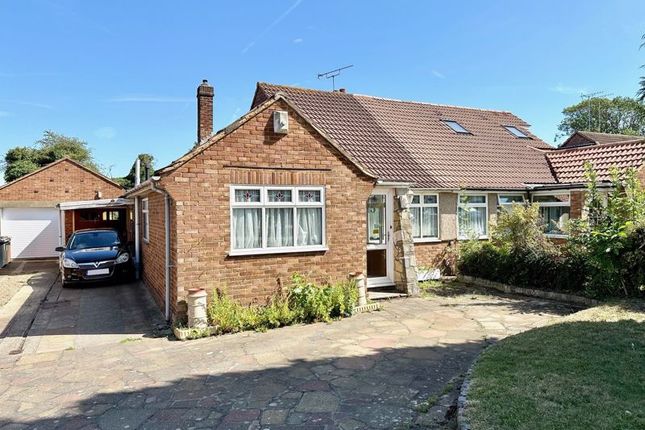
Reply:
x=380 y=250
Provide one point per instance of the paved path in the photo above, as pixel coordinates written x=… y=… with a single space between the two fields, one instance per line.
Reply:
x=368 y=371
x=44 y=317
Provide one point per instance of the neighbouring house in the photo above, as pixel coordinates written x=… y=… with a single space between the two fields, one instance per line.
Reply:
x=39 y=211
x=328 y=183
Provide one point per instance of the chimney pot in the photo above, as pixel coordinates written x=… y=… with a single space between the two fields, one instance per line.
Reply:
x=205 y=93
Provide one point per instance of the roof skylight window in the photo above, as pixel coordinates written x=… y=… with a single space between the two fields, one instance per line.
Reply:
x=516 y=132
x=456 y=127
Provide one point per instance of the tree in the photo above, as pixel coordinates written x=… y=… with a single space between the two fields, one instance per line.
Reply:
x=22 y=160
x=622 y=115
x=128 y=181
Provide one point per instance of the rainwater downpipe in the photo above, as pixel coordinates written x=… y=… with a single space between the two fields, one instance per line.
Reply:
x=167 y=254
x=137 y=240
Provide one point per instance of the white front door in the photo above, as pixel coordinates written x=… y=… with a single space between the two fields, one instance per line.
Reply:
x=380 y=249
x=34 y=232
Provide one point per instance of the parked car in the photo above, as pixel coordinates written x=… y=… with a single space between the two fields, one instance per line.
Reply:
x=94 y=255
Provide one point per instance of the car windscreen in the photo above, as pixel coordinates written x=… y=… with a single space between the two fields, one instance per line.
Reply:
x=94 y=239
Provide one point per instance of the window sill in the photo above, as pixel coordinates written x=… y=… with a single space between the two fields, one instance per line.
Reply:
x=462 y=238
x=556 y=236
x=269 y=251
x=427 y=240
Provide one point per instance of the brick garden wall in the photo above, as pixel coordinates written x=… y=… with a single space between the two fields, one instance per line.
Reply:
x=253 y=154
x=64 y=181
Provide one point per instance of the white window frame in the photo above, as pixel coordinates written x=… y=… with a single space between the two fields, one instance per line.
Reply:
x=264 y=204
x=145 y=216
x=501 y=205
x=421 y=205
x=553 y=204
x=473 y=205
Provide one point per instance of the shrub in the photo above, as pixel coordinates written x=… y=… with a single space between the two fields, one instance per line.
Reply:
x=519 y=253
x=303 y=302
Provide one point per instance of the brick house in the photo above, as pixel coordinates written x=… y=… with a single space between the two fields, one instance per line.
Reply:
x=30 y=212
x=332 y=183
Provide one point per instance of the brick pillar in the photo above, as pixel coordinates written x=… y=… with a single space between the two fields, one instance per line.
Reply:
x=205 y=93
x=405 y=263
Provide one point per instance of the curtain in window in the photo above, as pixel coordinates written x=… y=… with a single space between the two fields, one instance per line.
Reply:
x=247 y=228
x=430 y=222
x=555 y=218
x=279 y=225
x=416 y=221
x=472 y=221
x=309 y=226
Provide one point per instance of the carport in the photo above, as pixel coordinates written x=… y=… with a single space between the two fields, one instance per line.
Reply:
x=107 y=213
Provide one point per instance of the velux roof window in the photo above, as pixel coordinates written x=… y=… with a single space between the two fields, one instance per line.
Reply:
x=455 y=126
x=516 y=132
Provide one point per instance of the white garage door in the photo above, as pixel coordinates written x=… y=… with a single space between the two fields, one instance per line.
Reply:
x=34 y=232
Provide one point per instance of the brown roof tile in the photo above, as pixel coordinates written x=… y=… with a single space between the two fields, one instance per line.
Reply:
x=408 y=141
x=569 y=164
x=587 y=138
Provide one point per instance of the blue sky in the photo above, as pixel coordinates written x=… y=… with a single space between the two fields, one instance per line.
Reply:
x=122 y=75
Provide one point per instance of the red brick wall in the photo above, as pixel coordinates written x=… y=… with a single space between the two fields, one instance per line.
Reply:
x=250 y=155
x=577 y=204
x=64 y=181
x=153 y=251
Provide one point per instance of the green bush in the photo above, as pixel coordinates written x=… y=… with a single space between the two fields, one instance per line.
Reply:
x=519 y=253
x=302 y=302
x=604 y=257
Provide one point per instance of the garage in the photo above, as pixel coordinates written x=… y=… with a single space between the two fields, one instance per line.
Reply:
x=29 y=212
x=34 y=232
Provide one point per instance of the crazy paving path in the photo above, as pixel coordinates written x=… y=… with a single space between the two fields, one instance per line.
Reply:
x=368 y=371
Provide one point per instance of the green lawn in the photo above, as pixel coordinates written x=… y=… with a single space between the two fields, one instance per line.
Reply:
x=586 y=372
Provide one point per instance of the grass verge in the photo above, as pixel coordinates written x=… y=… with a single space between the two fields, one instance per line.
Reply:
x=586 y=371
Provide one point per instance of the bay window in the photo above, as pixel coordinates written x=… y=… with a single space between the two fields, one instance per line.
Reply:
x=271 y=219
x=472 y=216
x=554 y=210
x=424 y=211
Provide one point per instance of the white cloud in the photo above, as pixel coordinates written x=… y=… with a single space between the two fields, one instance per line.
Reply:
x=27 y=103
x=105 y=132
x=147 y=99
x=298 y=40
x=438 y=74
x=270 y=26
x=568 y=90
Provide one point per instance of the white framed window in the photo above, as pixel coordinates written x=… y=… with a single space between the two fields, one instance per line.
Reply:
x=277 y=219
x=145 y=219
x=472 y=216
x=506 y=201
x=424 y=211
x=555 y=208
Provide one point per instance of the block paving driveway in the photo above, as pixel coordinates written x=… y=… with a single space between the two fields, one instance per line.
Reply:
x=368 y=371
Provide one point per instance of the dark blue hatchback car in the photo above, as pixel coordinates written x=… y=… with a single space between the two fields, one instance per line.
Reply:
x=94 y=255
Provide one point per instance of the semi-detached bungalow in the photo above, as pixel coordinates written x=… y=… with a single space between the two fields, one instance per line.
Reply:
x=331 y=183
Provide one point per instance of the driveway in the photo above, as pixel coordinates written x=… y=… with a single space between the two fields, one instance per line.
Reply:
x=368 y=371
x=41 y=316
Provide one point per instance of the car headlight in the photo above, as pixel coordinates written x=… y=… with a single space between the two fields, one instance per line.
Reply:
x=68 y=263
x=123 y=258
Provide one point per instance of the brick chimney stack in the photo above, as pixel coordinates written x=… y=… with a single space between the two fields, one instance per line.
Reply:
x=205 y=93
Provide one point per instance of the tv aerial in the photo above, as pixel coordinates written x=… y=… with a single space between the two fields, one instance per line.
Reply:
x=332 y=75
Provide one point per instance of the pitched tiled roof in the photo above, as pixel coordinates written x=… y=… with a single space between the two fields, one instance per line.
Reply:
x=569 y=164
x=54 y=163
x=586 y=138
x=408 y=141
